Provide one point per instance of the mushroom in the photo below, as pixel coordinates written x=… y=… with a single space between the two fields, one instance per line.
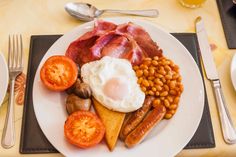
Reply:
x=82 y=90
x=72 y=88
x=75 y=103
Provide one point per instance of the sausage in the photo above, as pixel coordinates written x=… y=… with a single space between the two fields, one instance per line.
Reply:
x=127 y=117
x=152 y=118
x=136 y=117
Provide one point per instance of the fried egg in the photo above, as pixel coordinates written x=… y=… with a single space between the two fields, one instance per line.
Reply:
x=113 y=83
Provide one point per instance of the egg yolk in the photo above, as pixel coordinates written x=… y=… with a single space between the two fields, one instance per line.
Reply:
x=115 y=88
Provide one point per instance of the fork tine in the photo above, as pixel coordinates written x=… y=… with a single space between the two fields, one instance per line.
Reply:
x=21 y=52
x=11 y=52
x=14 y=52
x=17 y=51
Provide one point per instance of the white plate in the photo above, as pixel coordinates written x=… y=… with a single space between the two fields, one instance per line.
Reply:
x=233 y=71
x=3 y=77
x=167 y=139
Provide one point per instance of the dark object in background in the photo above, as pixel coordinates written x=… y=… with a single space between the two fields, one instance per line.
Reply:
x=227 y=11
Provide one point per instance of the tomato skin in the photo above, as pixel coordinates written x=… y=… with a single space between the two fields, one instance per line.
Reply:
x=84 y=129
x=58 y=73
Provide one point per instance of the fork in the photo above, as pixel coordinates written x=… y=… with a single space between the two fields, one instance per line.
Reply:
x=15 y=66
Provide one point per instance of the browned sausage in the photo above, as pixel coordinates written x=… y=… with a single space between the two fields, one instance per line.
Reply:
x=127 y=117
x=138 y=134
x=136 y=117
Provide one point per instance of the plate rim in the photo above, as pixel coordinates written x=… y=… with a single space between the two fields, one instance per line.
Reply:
x=232 y=67
x=5 y=77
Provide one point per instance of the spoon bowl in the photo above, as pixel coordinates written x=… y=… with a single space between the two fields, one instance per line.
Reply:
x=87 y=12
x=82 y=11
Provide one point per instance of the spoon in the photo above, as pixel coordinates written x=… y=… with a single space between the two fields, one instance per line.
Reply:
x=87 y=12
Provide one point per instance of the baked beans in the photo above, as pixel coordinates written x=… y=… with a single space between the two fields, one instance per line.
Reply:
x=160 y=77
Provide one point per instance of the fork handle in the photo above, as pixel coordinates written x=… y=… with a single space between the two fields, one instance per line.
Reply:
x=8 y=136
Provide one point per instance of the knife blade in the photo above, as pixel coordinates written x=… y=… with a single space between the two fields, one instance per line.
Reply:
x=228 y=130
x=207 y=56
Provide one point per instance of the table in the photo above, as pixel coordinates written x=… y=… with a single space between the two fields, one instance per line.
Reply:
x=30 y=17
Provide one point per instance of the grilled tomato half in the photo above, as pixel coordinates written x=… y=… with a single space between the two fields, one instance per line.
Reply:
x=59 y=73
x=84 y=129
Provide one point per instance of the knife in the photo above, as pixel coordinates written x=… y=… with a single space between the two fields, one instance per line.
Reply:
x=227 y=127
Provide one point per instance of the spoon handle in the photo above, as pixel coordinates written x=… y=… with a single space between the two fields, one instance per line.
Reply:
x=148 y=13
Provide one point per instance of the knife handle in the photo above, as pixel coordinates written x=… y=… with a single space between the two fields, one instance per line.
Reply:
x=227 y=127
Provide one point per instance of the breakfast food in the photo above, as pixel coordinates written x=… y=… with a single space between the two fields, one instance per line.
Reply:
x=136 y=117
x=84 y=129
x=128 y=41
x=80 y=88
x=123 y=75
x=83 y=90
x=113 y=83
x=78 y=98
x=138 y=134
x=112 y=121
x=71 y=89
x=160 y=77
x=58 y=73
x=75 y=103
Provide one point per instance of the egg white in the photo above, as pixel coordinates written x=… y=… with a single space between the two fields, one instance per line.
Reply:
x=97 y=73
